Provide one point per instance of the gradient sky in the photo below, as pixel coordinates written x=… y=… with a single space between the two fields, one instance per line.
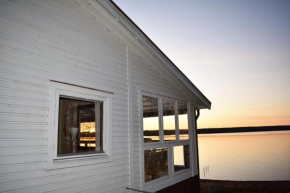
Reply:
x=236 y=52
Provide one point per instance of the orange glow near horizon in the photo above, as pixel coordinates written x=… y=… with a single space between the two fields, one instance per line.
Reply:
x=229 y=117
x=152 y=123
x=244 y=117
x=236 y=54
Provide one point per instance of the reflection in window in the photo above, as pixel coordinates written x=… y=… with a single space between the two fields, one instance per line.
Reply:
x=181 y=157
x=80 y=126
x=156 y=163
x=183 y=121
x=168 y=120
x=150 y=119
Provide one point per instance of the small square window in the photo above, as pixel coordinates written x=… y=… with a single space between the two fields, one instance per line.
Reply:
x=80 y=126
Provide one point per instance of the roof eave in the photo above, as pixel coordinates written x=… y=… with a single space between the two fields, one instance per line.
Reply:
x=122 y=18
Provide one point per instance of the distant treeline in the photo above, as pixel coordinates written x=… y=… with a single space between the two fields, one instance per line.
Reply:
x=243 y=129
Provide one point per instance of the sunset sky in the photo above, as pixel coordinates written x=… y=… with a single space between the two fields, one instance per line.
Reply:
x=236 y=52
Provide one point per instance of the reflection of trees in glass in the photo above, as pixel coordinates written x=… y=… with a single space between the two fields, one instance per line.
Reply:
x=168 y=120
x=150 y=119
x=81 y=114
x=156 y=163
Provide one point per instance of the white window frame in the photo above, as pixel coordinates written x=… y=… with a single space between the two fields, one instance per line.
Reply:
x=172 y=177
x=58 y=90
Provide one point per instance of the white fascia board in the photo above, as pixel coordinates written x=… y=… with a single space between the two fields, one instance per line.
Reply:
x=154 y=50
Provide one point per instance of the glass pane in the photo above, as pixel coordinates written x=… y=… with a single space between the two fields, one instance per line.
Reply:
x=80 y=126
x=168 y=120
x=181 y=157
x=183 y=121
x=156 y=163
x=150 y=119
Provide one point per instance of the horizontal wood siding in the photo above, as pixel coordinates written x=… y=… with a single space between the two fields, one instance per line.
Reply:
x=56 y=40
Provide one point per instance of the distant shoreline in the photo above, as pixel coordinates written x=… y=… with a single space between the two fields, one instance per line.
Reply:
x=244 y=129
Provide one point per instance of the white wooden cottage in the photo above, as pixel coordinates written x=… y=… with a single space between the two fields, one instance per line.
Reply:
x=88 y=103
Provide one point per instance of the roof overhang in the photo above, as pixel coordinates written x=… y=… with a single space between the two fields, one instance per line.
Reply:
x=134 y=30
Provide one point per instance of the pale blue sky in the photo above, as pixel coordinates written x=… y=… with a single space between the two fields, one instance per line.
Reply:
x=236 y=52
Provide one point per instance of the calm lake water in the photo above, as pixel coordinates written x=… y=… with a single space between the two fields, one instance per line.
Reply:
x=259 y=156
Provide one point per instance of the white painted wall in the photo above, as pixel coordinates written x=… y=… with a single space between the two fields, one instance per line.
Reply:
x=56 y=40
x=260 y=156
x=60 y=40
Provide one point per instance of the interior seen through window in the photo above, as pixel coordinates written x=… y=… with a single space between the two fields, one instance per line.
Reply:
x=80 y=126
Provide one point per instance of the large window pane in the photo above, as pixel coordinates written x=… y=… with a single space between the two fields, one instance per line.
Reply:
x=156 y=163
x=183 y=121
x=80 y=126
x=150 y=119
x=181 y=157
x=168 y=120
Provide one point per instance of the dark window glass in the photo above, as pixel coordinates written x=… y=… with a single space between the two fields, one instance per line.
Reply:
x=156 y=163
x=80 y=126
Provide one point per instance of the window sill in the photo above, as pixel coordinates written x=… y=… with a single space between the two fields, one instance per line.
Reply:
x=166 y=181
x=79 y=160
x=79 y=156
x=152 y=182
x=181 y=172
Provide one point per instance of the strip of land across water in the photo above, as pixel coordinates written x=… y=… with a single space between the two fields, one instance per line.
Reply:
x=244 y=129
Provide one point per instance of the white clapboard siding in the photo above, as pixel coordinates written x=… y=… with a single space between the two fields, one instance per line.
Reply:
x=19 y=176
x=22 y=134
x=17 y=168
x=23 y=79
x=56 y=74
x=9 y=160
x=22 y=151
x=10 y=83
x=28 y=32
x=20 y=117
x=56 y=40
x=37 y=43
x=5 y=143
x=44 y=22
x=57 y=70
x=120 y=139
x=30 y=175
x=24 y=109
x=62 y=40
x=63 y=180
x=40 y=181
x=23 y=126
